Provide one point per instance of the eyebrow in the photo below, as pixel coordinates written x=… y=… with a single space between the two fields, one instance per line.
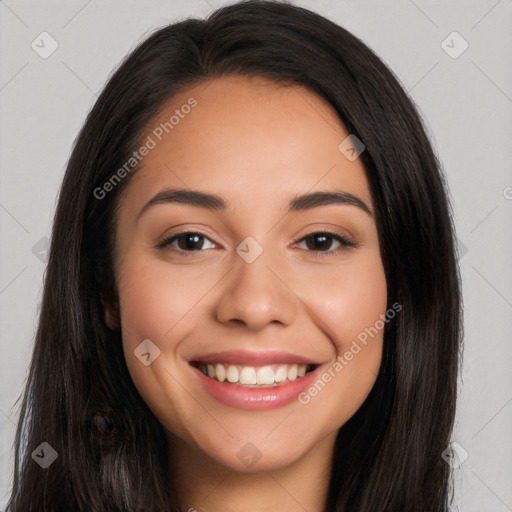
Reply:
x=218 y=203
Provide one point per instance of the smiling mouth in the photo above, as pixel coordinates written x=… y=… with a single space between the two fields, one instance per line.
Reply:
x=270 y=375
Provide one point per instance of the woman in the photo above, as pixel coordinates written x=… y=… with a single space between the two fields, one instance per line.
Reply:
x=202 y=345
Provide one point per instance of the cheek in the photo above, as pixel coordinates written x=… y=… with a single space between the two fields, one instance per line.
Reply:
x=157 y=303
x=350 y=310
x=352 y=301
x=164 y=307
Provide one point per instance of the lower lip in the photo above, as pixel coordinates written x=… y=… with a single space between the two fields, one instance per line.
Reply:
x=252 y=399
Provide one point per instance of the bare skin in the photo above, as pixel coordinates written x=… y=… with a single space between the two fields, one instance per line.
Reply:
x=257 y=144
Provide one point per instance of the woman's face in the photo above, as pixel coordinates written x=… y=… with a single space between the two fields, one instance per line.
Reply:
x=256 y=290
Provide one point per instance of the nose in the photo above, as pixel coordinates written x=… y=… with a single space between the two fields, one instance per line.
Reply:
x=255 y=295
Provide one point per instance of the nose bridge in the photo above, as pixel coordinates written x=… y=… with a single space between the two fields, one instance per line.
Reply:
x=254 y=295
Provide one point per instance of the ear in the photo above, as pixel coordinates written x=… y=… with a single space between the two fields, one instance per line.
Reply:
x=108 y=296
x=112 y=316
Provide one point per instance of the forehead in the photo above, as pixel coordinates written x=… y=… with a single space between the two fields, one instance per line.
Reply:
x=247 y=138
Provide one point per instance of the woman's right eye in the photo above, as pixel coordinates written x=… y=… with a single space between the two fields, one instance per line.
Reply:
x=187 y=241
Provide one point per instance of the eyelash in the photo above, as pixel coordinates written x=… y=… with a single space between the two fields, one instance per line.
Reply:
x=344 y=241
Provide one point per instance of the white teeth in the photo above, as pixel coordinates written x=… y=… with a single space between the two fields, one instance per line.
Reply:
x=232 y=373
x=220 y=372
x=254 y=376
x=247 y=375
x=280 y=375
x=292 y=372
x=265 y=375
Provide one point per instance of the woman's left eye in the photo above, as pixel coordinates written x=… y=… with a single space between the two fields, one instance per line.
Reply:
x=321 y=242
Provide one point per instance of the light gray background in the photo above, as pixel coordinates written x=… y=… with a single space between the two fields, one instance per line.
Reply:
x=466 y=103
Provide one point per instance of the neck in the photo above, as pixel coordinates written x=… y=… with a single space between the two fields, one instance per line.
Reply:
x=201 y=483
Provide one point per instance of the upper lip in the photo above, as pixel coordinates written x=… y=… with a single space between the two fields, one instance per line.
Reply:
x=254 y=358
